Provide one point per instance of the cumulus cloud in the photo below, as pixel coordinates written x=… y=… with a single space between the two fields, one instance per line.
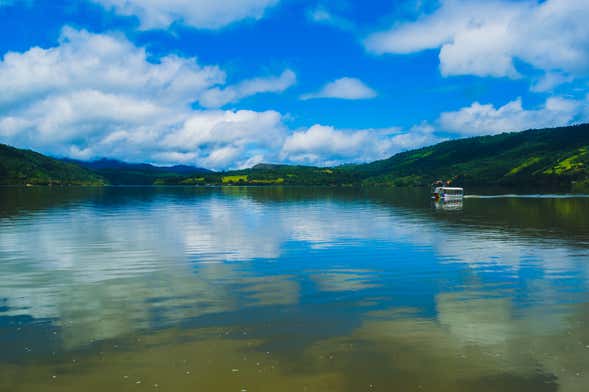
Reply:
x=344 y=88
x=326 y=145
x=217 y=97
x=228 y=138
x=478 y=119
x=485 y=37
x=98 y=95
x=205 y=14
x=102 y=62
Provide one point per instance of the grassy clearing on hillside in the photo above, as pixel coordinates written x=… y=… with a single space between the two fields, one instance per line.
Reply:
x=233 y=179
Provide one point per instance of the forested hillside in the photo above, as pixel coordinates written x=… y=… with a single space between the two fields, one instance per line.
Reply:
x=21 y=167
x=557 y=157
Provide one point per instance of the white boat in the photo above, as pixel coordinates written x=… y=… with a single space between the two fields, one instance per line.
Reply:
x=448 y=193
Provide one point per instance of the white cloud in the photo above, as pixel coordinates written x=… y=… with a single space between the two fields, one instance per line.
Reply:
x=549 y=81
x=322 y=15
x=326 y=145
x=217 y=97
x=99 y=95
x=203 y=14
x=228 y=138
x=478 y=119
x=484 y=37
x=344 y=88
x=102 y=62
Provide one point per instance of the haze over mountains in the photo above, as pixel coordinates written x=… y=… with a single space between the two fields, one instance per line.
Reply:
x=122 y=173
x=556 y=157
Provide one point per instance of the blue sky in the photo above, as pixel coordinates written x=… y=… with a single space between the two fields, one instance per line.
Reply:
x=234 y=83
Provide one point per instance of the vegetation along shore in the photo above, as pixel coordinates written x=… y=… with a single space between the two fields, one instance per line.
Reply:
x=555 y=157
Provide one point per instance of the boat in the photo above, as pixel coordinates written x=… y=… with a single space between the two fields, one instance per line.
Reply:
x=441 y=192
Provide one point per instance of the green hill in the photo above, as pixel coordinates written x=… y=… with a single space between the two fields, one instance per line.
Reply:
x=556 y=157
x=268 y=174
x=20 y=167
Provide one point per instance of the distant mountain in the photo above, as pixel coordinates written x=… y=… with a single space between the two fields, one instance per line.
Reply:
x=556 y=157
x=113 y=164
x=123 y=173
x=20 y=167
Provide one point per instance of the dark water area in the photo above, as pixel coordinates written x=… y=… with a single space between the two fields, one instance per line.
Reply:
x=291 y=289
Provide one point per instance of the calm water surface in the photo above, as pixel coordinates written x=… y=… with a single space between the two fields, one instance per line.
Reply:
x=294 y=289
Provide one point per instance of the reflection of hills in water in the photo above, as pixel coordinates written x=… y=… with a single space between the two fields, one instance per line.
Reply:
x=540 y=217
x=123 y=233
x=493 y=294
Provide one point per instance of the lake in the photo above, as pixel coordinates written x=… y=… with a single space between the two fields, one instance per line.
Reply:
x=291 y=289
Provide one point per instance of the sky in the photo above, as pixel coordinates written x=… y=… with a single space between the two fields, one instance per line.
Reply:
x=229 y=84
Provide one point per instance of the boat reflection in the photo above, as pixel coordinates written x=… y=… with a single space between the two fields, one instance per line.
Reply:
x=449 y=205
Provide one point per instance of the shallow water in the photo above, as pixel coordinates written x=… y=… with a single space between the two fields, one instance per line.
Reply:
x=291 y=289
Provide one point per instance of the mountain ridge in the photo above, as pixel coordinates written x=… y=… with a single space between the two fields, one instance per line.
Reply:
x=107 y=163
x=117 y=172
x=556 y=157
